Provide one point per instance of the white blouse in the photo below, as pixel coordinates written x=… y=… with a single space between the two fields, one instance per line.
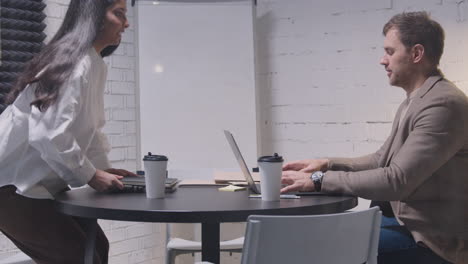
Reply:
x=42 y=153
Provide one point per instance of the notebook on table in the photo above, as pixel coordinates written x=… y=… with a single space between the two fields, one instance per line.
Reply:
x=137 y=184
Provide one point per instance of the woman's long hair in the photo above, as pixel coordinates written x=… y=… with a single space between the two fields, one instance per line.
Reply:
x=75 y=37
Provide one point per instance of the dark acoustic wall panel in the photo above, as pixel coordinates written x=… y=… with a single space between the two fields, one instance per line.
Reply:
x=21 y=36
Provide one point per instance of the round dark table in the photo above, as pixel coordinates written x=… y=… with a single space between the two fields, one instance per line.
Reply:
x=189 y=204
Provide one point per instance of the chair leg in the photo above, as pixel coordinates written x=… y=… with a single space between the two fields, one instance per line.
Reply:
x=170 y=256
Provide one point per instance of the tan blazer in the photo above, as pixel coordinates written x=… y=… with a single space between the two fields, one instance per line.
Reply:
x=422 y=168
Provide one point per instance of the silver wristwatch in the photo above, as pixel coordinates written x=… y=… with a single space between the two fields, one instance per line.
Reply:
x=316 y=178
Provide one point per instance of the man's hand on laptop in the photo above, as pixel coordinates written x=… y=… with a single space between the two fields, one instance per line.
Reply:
x=307 y=165
x=297 y=181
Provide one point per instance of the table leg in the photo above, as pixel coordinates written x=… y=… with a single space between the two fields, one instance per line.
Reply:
x=90 y=227
x=210 y=242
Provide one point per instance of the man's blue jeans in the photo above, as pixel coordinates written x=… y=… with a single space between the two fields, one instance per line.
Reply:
x=397 y=246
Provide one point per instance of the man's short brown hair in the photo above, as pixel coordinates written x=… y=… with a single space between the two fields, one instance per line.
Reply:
x=418 y=28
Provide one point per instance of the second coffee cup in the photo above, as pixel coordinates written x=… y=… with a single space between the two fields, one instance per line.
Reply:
x=270 y=176
x=155 y=175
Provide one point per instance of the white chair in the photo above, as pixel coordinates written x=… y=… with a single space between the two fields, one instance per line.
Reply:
x=178 y=246
x=19 y=258
x=345 y=238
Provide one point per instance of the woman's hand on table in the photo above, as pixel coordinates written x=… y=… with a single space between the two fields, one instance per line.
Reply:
x=104 y=181
x=121 y=172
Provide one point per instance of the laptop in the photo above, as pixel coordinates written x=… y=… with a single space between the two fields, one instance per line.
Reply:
x=240 y=160
x=255 y=188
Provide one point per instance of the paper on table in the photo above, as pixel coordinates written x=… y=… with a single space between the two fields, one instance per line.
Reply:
x=282 y=196
x=238 y=183
x=195 y=182
x=232 y=176
x=232 y=188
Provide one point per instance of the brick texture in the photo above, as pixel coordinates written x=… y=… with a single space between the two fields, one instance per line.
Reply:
x=322 y=90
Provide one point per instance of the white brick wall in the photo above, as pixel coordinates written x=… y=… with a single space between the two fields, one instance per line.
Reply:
x=129 y=242
x=323 y=92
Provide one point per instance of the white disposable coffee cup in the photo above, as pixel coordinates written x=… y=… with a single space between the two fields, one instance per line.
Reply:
x=271 y=168
x=155 y=175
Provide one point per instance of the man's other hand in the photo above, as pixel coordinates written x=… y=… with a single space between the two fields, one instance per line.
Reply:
x=307 y=165
x=297 y=181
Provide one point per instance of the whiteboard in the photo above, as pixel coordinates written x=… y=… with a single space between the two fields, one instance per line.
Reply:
x=196 y=78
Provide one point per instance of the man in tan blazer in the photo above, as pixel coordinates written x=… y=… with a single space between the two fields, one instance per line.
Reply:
x=422 y=168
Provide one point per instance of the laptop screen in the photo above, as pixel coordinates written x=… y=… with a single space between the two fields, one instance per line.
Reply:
x=241 y=161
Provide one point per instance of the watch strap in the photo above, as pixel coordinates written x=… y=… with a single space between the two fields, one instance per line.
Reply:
x=316 y=178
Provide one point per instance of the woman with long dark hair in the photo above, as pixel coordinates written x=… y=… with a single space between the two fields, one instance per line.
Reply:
x=50 y=134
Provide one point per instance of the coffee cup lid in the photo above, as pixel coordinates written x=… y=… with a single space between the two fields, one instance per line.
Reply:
x=274 y=158
x=151 y=157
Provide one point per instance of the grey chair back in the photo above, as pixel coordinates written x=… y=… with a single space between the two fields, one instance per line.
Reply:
x=344 y=238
